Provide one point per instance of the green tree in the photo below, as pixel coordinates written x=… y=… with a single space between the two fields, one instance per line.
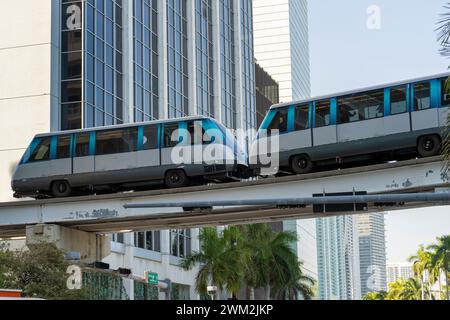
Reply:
x=252 y=256
x=422 y=263
x=39 y=271
x=272 y=263
x=380 y=295
x=219 y=260
x=440 y=259
x=405 y=290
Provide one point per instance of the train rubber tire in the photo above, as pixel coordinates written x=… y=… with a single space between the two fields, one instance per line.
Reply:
x=176 y=179
x=429 y=146
x=61 y=189
x=301 y=164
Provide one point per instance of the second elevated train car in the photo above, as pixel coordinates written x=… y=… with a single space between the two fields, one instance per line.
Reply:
x=125 y=157
x=384 y=122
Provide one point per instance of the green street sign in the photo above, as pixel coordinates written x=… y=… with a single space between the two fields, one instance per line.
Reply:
x=152 y=278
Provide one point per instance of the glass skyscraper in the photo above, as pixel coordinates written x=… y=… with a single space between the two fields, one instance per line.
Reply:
x=338 y=258
x=282 y=45
x=281 y=38
x=138 y=60
x=372 y=252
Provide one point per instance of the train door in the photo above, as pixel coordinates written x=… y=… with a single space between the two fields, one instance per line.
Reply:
x=148 y=155
x=83 y=154
x=324 y=132
x=61 y=163
x=301 y=134
x=170 y=138
x=424 y=113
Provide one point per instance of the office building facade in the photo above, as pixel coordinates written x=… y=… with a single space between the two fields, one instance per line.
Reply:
x=282 y=45
x=103 y=62
x=267 y=93
x=372 y=252
x=282 y=50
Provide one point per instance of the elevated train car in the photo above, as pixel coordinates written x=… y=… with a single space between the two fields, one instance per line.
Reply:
x=123 y=157
x=390 y=122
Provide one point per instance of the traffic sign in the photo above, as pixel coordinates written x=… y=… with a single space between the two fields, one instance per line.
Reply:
x=152 y=278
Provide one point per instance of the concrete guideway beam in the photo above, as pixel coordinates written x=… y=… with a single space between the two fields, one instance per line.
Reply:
x=106 y=213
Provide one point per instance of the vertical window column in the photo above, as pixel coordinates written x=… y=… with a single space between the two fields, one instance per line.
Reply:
x=177 y=58
x=71 y=65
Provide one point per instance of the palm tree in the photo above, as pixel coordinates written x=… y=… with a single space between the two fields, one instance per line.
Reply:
x=272 y=264
x=380 y=295
x=421 y=263
x=443 y=30
x=405 y=290
x=440 y=259
x=219 y=261
x=412 y=290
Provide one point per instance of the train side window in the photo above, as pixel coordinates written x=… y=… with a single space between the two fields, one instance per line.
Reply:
x=63 y=147
x=150 y=139
x=422 y=100
x=398 y=100
x=116 y=141
x=82 y=145
x=323 y=114
x=445 y=93
x=279 y=122
x=42 y=150
x=365 y=106
x=169 y=129
x=301 y=120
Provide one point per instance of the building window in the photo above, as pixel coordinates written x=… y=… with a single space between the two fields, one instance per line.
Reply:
x=204 y=56
x=180 y=242
x=118 y=237
x=149 y=240
x=177 y=52
x=103 y=78
x=227 y=63
x=145 y=57
x=71 y=65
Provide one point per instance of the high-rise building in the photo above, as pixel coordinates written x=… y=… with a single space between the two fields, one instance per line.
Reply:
x=372 y=252
x=282 y=45
x=338 y=258
x=397 y=271
x=131 y=61
x=80 y=63
x=267 y=93
x=282 y=50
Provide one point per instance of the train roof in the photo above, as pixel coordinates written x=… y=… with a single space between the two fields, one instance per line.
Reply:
x=126 y=125
x=344 y=93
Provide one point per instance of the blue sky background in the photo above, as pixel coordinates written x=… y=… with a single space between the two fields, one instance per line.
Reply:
x=346 y=55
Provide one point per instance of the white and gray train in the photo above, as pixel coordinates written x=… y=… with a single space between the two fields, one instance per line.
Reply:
x=390 y=122
x=127 y=157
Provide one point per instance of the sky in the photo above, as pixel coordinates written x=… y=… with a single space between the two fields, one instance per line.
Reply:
x=402 y=44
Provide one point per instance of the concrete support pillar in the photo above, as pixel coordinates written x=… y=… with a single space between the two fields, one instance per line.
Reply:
x=92 y=247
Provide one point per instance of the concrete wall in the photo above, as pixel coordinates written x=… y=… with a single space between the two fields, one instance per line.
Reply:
x=26 y=50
